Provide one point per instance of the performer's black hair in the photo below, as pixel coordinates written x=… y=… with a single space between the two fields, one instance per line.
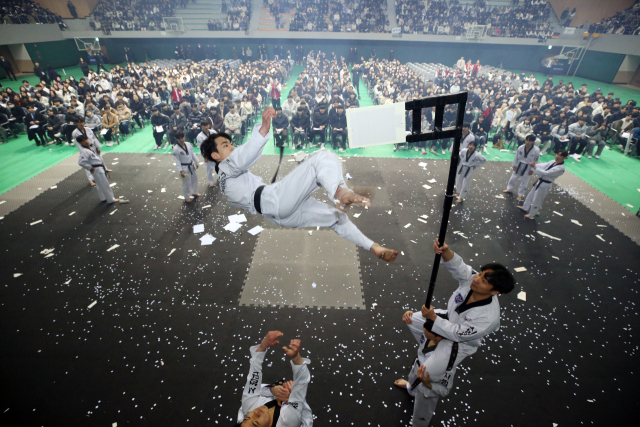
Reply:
x=209 y=146
x=499 y=277
x=530 y=137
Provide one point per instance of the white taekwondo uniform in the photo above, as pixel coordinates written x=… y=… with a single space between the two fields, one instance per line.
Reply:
x=466 y=170
x=211 y=166
x=185 y=162
x=293 y=413
x=288 y=202
x=521 y=162
x=547 y=172
x=93 y=142
x=467 y=323
x=91 y=159
x=440 y=361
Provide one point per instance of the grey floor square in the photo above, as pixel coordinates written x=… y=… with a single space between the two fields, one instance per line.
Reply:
x=295 y=269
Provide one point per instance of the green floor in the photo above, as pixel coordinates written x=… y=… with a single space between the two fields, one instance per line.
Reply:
x=614 y=174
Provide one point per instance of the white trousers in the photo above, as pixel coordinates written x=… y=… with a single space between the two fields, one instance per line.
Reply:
x=211 y=172
x=289 y=203
x=462 y=183
x=89 y=175
x=536 y=196
x=189 y=183
x=102 y=185
x=513 y=182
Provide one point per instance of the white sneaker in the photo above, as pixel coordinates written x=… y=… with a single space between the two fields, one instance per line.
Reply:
x=443 y=152
x=110 y=144
x=416 y=149
x=589 y=156
x=322 y=146
x=155 y=147
x=597 y=157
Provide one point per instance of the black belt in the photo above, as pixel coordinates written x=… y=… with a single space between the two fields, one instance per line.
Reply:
x=540 y=181
x=523 y=170
x=452 y=360
x=101 y=165
x=468 y=170
x=256 y=199
x=188 y=164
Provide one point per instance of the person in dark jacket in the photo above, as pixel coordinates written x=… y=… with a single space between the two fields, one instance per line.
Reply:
x=160 y=123
x=53 y=74
x=300 y=124
x=40 y=73
x=339 y=128
x=53 y=126
x=320 y=123
x=280 y=125
x=71 y=118
x=542 y=131
x=84 y=67
x=216 y=120
x=35 y=123
x=8 y=68
x=72 y=10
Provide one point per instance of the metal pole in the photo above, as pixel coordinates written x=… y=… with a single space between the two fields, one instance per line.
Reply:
x=583 y=55
x=448 y=199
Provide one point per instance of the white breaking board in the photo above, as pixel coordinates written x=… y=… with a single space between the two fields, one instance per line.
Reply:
x=379 y=125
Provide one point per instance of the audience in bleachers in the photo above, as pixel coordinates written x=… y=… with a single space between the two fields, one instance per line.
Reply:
x=500 y=101
x=26 y=12
x=124 y=15
x=447 y=17
x=625 y=22
x=340 y=16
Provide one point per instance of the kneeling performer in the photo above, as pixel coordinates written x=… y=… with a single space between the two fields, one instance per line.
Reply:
x=276 y=405
x=288 y=202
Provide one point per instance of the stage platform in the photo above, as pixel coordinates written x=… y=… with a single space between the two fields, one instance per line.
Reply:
x=167 y=340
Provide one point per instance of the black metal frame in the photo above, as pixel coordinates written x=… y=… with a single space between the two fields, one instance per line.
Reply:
x=439 y=102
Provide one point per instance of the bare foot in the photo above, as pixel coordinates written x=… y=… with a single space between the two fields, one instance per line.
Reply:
x=350 y=198
x=401 y=383
x=196 y=195
x=212 y=185
x=456 y=195
x=506 y=191
x=109 y=170
x=459 y=201
x=92 y=183
x=388 y=255
x=519 y=199
x=527 y=216
x=189 y=200
x=114 y=200
x=520 y=207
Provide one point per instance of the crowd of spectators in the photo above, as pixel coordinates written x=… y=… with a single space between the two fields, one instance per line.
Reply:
x=340 y=16
x=625 y=22
x=509 y=107
x=180 y=98
x=26 y=12
x=238 y=16
x=130 y=15
x=448 y=17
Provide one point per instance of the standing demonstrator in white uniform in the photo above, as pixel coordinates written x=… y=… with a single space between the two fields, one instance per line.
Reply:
x=81 y=129
x=278 y=405
x=288 y=202
x=91 y=160
x=473 y=310
x=202 y=137
x=470 y=159
x=548 y=172
x=187 y=163
x=522 y=170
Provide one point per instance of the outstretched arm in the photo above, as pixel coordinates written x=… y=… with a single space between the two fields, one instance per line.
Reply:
x=291 y=413
x=245 y=156
x=253 y=387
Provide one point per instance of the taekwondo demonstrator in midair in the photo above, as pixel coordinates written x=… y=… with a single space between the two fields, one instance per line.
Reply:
x=288 y=202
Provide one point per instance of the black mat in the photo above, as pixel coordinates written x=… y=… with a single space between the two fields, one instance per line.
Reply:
x=168 y=344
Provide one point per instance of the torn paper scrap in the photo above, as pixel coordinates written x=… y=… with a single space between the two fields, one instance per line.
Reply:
x=631 y=206
x=422 y=220
x=408 y=225
x=163 y=190
x=198 y=228
x=181 y=197
x=55 y=186
x=149 y=191
x=113 y=247
x=92 y=304
x=36 y=222
x=600 y=237
x=113 y=184
x=4 y=201
x=522 y=295
x=576 y=222
x=357 y=215
x=499 y=196
x=431 y=181
x=172 y=251
x=237 y=218
x=207 y=239
x=232 y=227
x=422 y=164
x=205 y=207
x=348 y=176
x=17 y=274
x=67 y=282
x=519 y=269
x=428 y=187
x=113 y=211
x=546 y=235
x=49 y=256
x=255 y=230
x=557 y=213
x=72 y=213
x=555 y=257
